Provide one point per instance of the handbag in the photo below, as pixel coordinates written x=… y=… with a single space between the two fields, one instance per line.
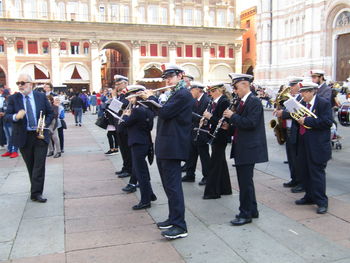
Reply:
x=102 y=122
x=63 y=124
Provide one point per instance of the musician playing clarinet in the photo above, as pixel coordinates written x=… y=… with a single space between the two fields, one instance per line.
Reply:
x=249 y=145
x=218 y=181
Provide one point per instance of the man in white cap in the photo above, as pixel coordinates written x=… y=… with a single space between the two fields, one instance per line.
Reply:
x=249 y=145
x=324 y=91
x=314 y=147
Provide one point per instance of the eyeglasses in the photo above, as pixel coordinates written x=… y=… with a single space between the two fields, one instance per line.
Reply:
x=22 y=83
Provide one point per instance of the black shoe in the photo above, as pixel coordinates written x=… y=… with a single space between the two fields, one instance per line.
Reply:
x=164 y=225
x=119 y=172
x=290 y=184
x=298 y=189
x=203 y=181
x=123 y=175
x=206 y=197
x=304 y=201
x=57 y=155
x=38 y=198
x=322 y=209
x=240 y=221
x=255 y=215
x=153 y=197
x=188 y=178
x=285 y=162
x=174 y=232
x=62 y=151
x=140 y=206
x=183 y=168
x=76 y=124
x=130 y=188
x=79 y=124
x=49 y=154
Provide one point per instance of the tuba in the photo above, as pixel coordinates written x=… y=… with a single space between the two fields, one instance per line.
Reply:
x=276 y=124
x=41 y=126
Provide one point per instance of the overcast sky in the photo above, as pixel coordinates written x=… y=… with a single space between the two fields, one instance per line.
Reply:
x=245 y=4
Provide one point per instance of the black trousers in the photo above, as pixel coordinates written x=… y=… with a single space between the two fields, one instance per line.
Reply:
x=218 y=181
x=112 y=139
x=125 y=151
x=170 y=174
x=247 y=199
x=201 y=149
x=61 y=137
x=313 y=174
x=141 y=172
x=34 y=155
x=291 y=150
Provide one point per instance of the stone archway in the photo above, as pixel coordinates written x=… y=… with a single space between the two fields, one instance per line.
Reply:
x=2 y=77
x=115 y=59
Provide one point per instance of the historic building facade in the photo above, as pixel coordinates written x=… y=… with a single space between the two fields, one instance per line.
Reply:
x=295 y=36
x=248 y=18
x=70 y=42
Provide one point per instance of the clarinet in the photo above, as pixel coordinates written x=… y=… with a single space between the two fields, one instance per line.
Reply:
x=202 y=121
x=233 y=106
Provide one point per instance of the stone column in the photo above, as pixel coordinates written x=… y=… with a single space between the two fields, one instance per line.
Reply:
x=238 y=58
x=92 y=10
x=55 y=61
x=171 y=12
x=133 y=11
x=206 y=64
x=135 y=61
x=95 y=78
x=11 y=63
x=172 y=52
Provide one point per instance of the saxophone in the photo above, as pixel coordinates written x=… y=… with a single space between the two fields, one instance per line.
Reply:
x=41 y=126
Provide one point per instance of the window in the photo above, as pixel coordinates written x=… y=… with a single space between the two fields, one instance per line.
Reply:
x=61 y=13
x=72 y=10
x=84 y=12
x=188 y=50
x=152 y=14
x=164 y=16
x=248 y=45
x=43 y=9
x=230 y=52
x=164 y=51
x=1 y=8
x=221 y=20
x=178 y=17
x=102 y=13
x=32 y=47
x=188 y=15
x=45 y=47
x=17 y=11
x=74 y=48
x=142 y=15
x=20 y=47
x=247 y=24
x=198 y=52
x=179 y=51
x=30 y=9
x=221 y=51
x=153 y=50
x=2 y=48
x=231 y=18
x=86 y=48
x=211 y=21
x=126 y=17
x=115 y=13
x=198 y=17
x=212 y=52
x=63 y=46
x=143 y=51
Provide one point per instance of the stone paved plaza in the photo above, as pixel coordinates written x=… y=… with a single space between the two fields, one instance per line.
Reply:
x=88 y=219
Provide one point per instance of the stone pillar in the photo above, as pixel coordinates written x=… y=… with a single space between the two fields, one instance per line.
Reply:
x=92 y=10
x=171 y=12
x=135 y=61
x=133 y=12
x=11 y=63
x=238 y=58
x=95 y=77
x=55 y=61
x=206 y=64
x=172 y=52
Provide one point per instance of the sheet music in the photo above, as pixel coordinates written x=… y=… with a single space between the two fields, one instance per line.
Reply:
x=292 y=105
x=115 y=105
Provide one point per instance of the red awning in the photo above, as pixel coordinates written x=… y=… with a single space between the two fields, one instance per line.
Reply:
x=86 y=45
x=19 y=44
x=1 y=43
x=63 y=45
x=45 y=44
x=76 y=74
x=74 y=43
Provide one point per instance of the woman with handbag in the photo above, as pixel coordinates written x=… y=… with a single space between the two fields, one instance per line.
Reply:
x=61 y=122
x=54 y=145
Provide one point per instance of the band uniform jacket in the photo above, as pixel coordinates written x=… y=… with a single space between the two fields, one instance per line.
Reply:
x=294 y=129
x=318 y=137
x=222 y=135
x=19 y=128
x=122 y=128
x=139 y=124
x=250 y=145
x=199 y=107
x=174 y=127
x=324 y=91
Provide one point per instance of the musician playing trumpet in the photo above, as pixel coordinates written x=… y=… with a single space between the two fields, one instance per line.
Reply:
x=249 y=145
x=23 y=111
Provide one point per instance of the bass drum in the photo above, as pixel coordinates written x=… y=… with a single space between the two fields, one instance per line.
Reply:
x=344 y=114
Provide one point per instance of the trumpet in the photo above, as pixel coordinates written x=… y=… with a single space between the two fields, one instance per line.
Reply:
x=41 y=126
x=302 y=111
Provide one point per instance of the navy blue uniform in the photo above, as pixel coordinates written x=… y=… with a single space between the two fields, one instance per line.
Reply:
x=248 y=148
x=33 y=150
x=314 y=151
x=139 y=124
x=172 y=146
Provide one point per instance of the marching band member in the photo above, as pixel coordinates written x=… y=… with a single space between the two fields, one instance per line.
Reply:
x=172 y=146
x=249 y=145
x=324 y=91
x=139 y=123
x=218 y=180
x=314 y=147
x=199 y=142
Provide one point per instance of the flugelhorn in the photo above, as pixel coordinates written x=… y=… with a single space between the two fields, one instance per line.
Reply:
x=302 y=111
x=41 y=126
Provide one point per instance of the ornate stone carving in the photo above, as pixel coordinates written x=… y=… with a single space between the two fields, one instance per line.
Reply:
x=10 y=41
x=55 y=42
x=238 y=47
x=206 y=45
x=343 y=19
x=172 y=45
x=94 y=43
x=135 y=43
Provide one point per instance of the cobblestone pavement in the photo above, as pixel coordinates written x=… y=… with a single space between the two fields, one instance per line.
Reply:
x=89 y=219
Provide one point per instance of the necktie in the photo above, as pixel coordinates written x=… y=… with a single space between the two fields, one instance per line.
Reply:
x=213 y=106
x=302 y=129
x=30 y=114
